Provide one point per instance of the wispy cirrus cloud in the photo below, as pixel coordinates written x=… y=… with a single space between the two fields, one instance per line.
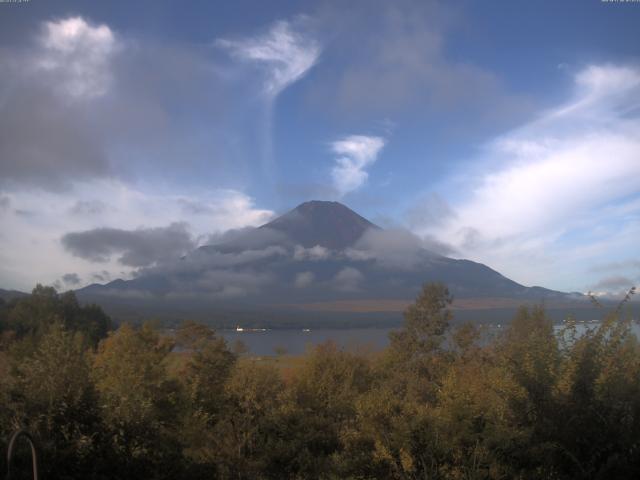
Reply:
x=355 y=154
x=284 y=54
x=567 y=182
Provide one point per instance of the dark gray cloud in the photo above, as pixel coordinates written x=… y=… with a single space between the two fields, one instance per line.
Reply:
x=43 y=139
x=248 y=238
x=88 y=207
x=103 y=276
x=25 y=213
x=5 y=202
x=211 y=274
x=208 y=258
x=71 y=112
x=71 y=279
x=227 y=235
x=614 y=284
x=136 y=248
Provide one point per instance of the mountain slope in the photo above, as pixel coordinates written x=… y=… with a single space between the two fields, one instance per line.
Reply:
x=328 y=224
x=8 y=295
x=318 y=252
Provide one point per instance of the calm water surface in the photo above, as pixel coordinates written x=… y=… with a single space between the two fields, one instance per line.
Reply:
x=296 y=341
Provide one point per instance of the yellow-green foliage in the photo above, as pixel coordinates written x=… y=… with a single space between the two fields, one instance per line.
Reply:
x=438 y=403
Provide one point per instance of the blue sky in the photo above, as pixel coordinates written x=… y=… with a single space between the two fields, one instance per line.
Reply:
x=503 y=132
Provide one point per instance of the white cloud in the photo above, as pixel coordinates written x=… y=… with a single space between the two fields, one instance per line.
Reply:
x=314 y=253
x=219 y=284
x=304 y=279
x=600 y=84
x=82 y=101
x=281 y=56
x=30 y=246
x=348 y=280
x=79 y=54
x=394 y=248
x=355 y=154
x=550 y=186
x=285 y=54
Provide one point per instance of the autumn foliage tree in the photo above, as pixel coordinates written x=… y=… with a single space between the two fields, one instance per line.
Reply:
x=441 y=402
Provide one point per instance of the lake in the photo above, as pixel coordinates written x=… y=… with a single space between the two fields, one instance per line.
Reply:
x=296 y=341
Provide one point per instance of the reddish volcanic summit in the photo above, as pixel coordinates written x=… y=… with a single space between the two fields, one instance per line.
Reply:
x=329 y=224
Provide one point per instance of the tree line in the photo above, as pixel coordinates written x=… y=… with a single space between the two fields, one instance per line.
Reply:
x=111 y=403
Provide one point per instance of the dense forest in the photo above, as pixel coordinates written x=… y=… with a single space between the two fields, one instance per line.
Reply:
x=130 y=402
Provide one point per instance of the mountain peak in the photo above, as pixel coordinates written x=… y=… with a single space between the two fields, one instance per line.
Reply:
x=316 y=204
x=328 y=224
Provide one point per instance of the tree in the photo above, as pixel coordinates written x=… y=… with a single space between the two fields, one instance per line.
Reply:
x=322 y=412
x=49 y=392
x=425 y=323
x=598 y=420
x=242 y=438
x=138 y=403
x=32 y=315
x=207 y=369
x=415 y=359
x=204 y=378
